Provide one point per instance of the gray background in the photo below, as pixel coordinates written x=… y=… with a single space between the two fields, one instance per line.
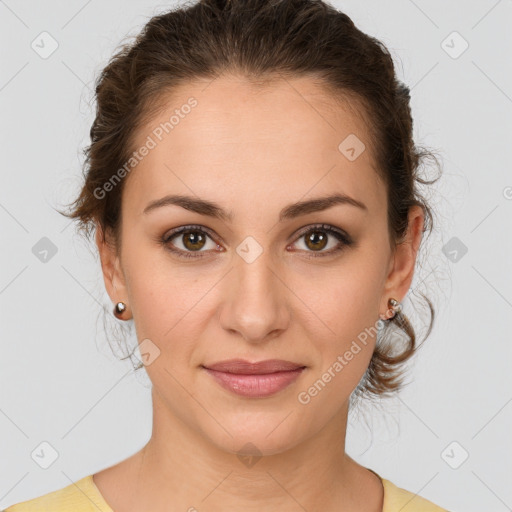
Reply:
x=60 y=382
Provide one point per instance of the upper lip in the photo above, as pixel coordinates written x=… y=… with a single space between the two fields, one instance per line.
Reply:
x=243 y=367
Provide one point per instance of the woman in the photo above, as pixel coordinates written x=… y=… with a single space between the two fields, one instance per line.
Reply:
x=252 y=183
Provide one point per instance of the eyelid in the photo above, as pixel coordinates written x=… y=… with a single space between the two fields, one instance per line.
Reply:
x=191 y=227
x=322 y=226
x=306 y=229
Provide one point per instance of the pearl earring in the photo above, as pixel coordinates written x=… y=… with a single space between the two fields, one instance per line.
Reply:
x=395 y=306
x=119 y=309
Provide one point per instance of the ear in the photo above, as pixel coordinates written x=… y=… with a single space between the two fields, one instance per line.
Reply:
x=403 y=262
x=113 y=276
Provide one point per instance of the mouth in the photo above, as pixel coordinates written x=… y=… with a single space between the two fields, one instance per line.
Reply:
x=255 y=380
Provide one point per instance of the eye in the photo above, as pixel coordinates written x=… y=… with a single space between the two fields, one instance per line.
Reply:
x=191 y=238
x=317 y=237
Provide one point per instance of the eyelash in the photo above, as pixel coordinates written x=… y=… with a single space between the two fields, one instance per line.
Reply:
x=343 y=238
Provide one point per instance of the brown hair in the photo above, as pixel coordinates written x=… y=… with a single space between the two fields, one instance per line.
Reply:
x=261 y=40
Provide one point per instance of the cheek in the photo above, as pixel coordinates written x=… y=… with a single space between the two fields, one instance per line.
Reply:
x=342 y=319
x=345 y=300
x=343 y=334
x=166 y=309
x=160 y=293
x=171 y=304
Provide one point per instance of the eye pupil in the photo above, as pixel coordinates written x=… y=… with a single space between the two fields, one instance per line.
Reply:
x=195 y=238
x=315 y=237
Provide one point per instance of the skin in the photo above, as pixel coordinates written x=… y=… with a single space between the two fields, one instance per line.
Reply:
x=283 y=305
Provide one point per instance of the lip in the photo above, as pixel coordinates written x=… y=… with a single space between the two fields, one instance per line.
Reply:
x=243 y=367
x=255 y=380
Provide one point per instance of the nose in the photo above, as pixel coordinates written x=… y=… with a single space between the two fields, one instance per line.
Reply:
x=256 y=302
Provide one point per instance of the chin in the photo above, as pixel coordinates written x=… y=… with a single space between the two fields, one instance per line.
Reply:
x=259 y=435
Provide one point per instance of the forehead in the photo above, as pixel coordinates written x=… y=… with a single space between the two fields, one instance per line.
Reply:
x=236 y=139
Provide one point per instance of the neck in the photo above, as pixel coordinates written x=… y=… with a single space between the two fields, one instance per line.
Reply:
x=182 y=467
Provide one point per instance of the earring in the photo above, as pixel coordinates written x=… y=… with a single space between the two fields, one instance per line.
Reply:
x=119 y=309
x=395 y=306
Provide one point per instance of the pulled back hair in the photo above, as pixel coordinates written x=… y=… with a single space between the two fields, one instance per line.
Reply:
x=262 y=40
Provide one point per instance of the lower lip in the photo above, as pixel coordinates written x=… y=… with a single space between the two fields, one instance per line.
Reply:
x=255 y=386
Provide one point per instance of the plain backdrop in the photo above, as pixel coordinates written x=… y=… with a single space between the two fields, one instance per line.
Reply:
x=64 y=393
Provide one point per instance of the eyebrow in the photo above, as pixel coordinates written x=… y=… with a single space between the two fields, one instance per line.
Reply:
x=212 y=209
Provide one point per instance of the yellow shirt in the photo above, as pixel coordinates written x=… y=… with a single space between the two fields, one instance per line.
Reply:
x=84 y=496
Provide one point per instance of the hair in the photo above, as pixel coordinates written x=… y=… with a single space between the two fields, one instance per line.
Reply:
x=262 y=40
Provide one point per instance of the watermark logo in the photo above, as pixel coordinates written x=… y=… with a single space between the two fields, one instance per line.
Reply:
x=44 y=250
x=249 y=455
x=454 y=455
x=148 y=352
x=454 y=45
x=351 y=147
x=454 y=249
x=44 y=45
x=249 y=249
x=44 y=455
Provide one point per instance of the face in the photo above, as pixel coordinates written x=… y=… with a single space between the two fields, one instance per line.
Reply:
x=254 y=277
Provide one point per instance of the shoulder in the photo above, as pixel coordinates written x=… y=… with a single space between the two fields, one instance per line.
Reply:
x=398 y=499
x=80 y=496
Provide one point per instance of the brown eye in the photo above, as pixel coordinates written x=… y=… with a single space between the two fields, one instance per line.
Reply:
x=316 y=240
x=187 y=240
x=193 y=240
